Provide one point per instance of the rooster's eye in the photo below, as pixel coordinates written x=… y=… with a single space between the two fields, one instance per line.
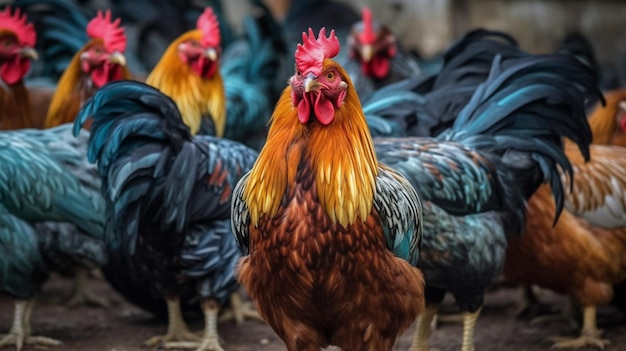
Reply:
x=6 y=43
x=330 y=75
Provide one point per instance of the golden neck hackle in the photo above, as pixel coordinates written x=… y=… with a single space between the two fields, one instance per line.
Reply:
x=194 y=96
x=341 y=155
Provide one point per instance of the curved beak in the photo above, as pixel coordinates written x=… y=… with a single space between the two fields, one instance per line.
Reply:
x=30 y=53
x=211 y=54
x=117 y=58
x=310 y=83
x=367 y=52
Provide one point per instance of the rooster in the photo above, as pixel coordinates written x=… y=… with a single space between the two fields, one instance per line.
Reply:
x=168 y=200
x=322 y=222
x=476 y=176
x=99 y=61
x=51 y=217
x=376 y=58
x=189 y=73
x=225 y=92
x=17 y=42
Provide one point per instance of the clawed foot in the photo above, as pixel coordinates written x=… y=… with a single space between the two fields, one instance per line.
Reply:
x=239 y=311
x=87 y=298
x=579 y=342
x=20 y=340
x=171 y=337
x=207 y=344
x=81 y=295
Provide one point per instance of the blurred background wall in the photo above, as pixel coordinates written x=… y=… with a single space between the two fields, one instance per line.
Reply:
x=431 y=25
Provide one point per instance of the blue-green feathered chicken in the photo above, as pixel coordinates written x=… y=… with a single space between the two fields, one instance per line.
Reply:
x=51 y=216
x=475 y=177
x=168 y=202
x=427 y=106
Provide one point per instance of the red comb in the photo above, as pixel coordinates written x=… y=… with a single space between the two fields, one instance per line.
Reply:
x=311 y=53
x=367 y=36
x=111 y=33
x=209 y=26
x=17 y=23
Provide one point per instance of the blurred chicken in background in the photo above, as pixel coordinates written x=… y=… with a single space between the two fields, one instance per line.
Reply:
x=17 y=49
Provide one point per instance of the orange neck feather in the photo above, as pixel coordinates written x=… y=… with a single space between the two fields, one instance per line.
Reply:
x=341 y=155
x=73 y=89
x=16 y=111
x=195 y=97
x=603 y=120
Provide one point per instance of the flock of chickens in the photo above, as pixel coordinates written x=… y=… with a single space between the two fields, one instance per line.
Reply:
x=344 y=182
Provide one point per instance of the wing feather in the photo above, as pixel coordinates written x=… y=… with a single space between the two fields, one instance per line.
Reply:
x=400 y=211
x=599 y=194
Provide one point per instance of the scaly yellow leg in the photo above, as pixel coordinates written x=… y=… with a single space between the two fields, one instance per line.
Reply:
x=469 y=322
x=177 y=329
x=210 y=340
x=423 y=328
x=239 y=310
x=19 y=335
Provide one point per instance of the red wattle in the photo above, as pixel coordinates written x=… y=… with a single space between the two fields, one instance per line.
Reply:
x=12 y=72
x=324 y=109
x=380 y=67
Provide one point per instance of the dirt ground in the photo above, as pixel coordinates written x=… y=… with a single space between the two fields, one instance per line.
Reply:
x=124 y=327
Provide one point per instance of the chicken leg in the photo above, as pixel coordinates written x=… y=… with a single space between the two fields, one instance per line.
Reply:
x=530 y=308
x=239 y=310
x=210 y=339
x=469 y=322
x=19 y=335
x=81 y=295
x=177 y=329
x=424 y=328
x=589 y=335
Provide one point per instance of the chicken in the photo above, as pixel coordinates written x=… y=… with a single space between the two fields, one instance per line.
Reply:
x=227 y=93
x=168 y=202
x=321 y=221
x=51 y=217
x=577 y=257
x=99 y=61
x=189 y=73
x=18 y=39
x=475 y=177
x=375 y=57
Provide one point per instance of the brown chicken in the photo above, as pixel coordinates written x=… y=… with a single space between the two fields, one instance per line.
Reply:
x=101 y=60
x=326 y=231
x=17 y=41
x=584 y=254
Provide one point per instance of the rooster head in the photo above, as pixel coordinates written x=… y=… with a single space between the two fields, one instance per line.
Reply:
x=17 y=39
x=103 y=57
x=319 y=85
x=200 y=49
x=373 y=45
